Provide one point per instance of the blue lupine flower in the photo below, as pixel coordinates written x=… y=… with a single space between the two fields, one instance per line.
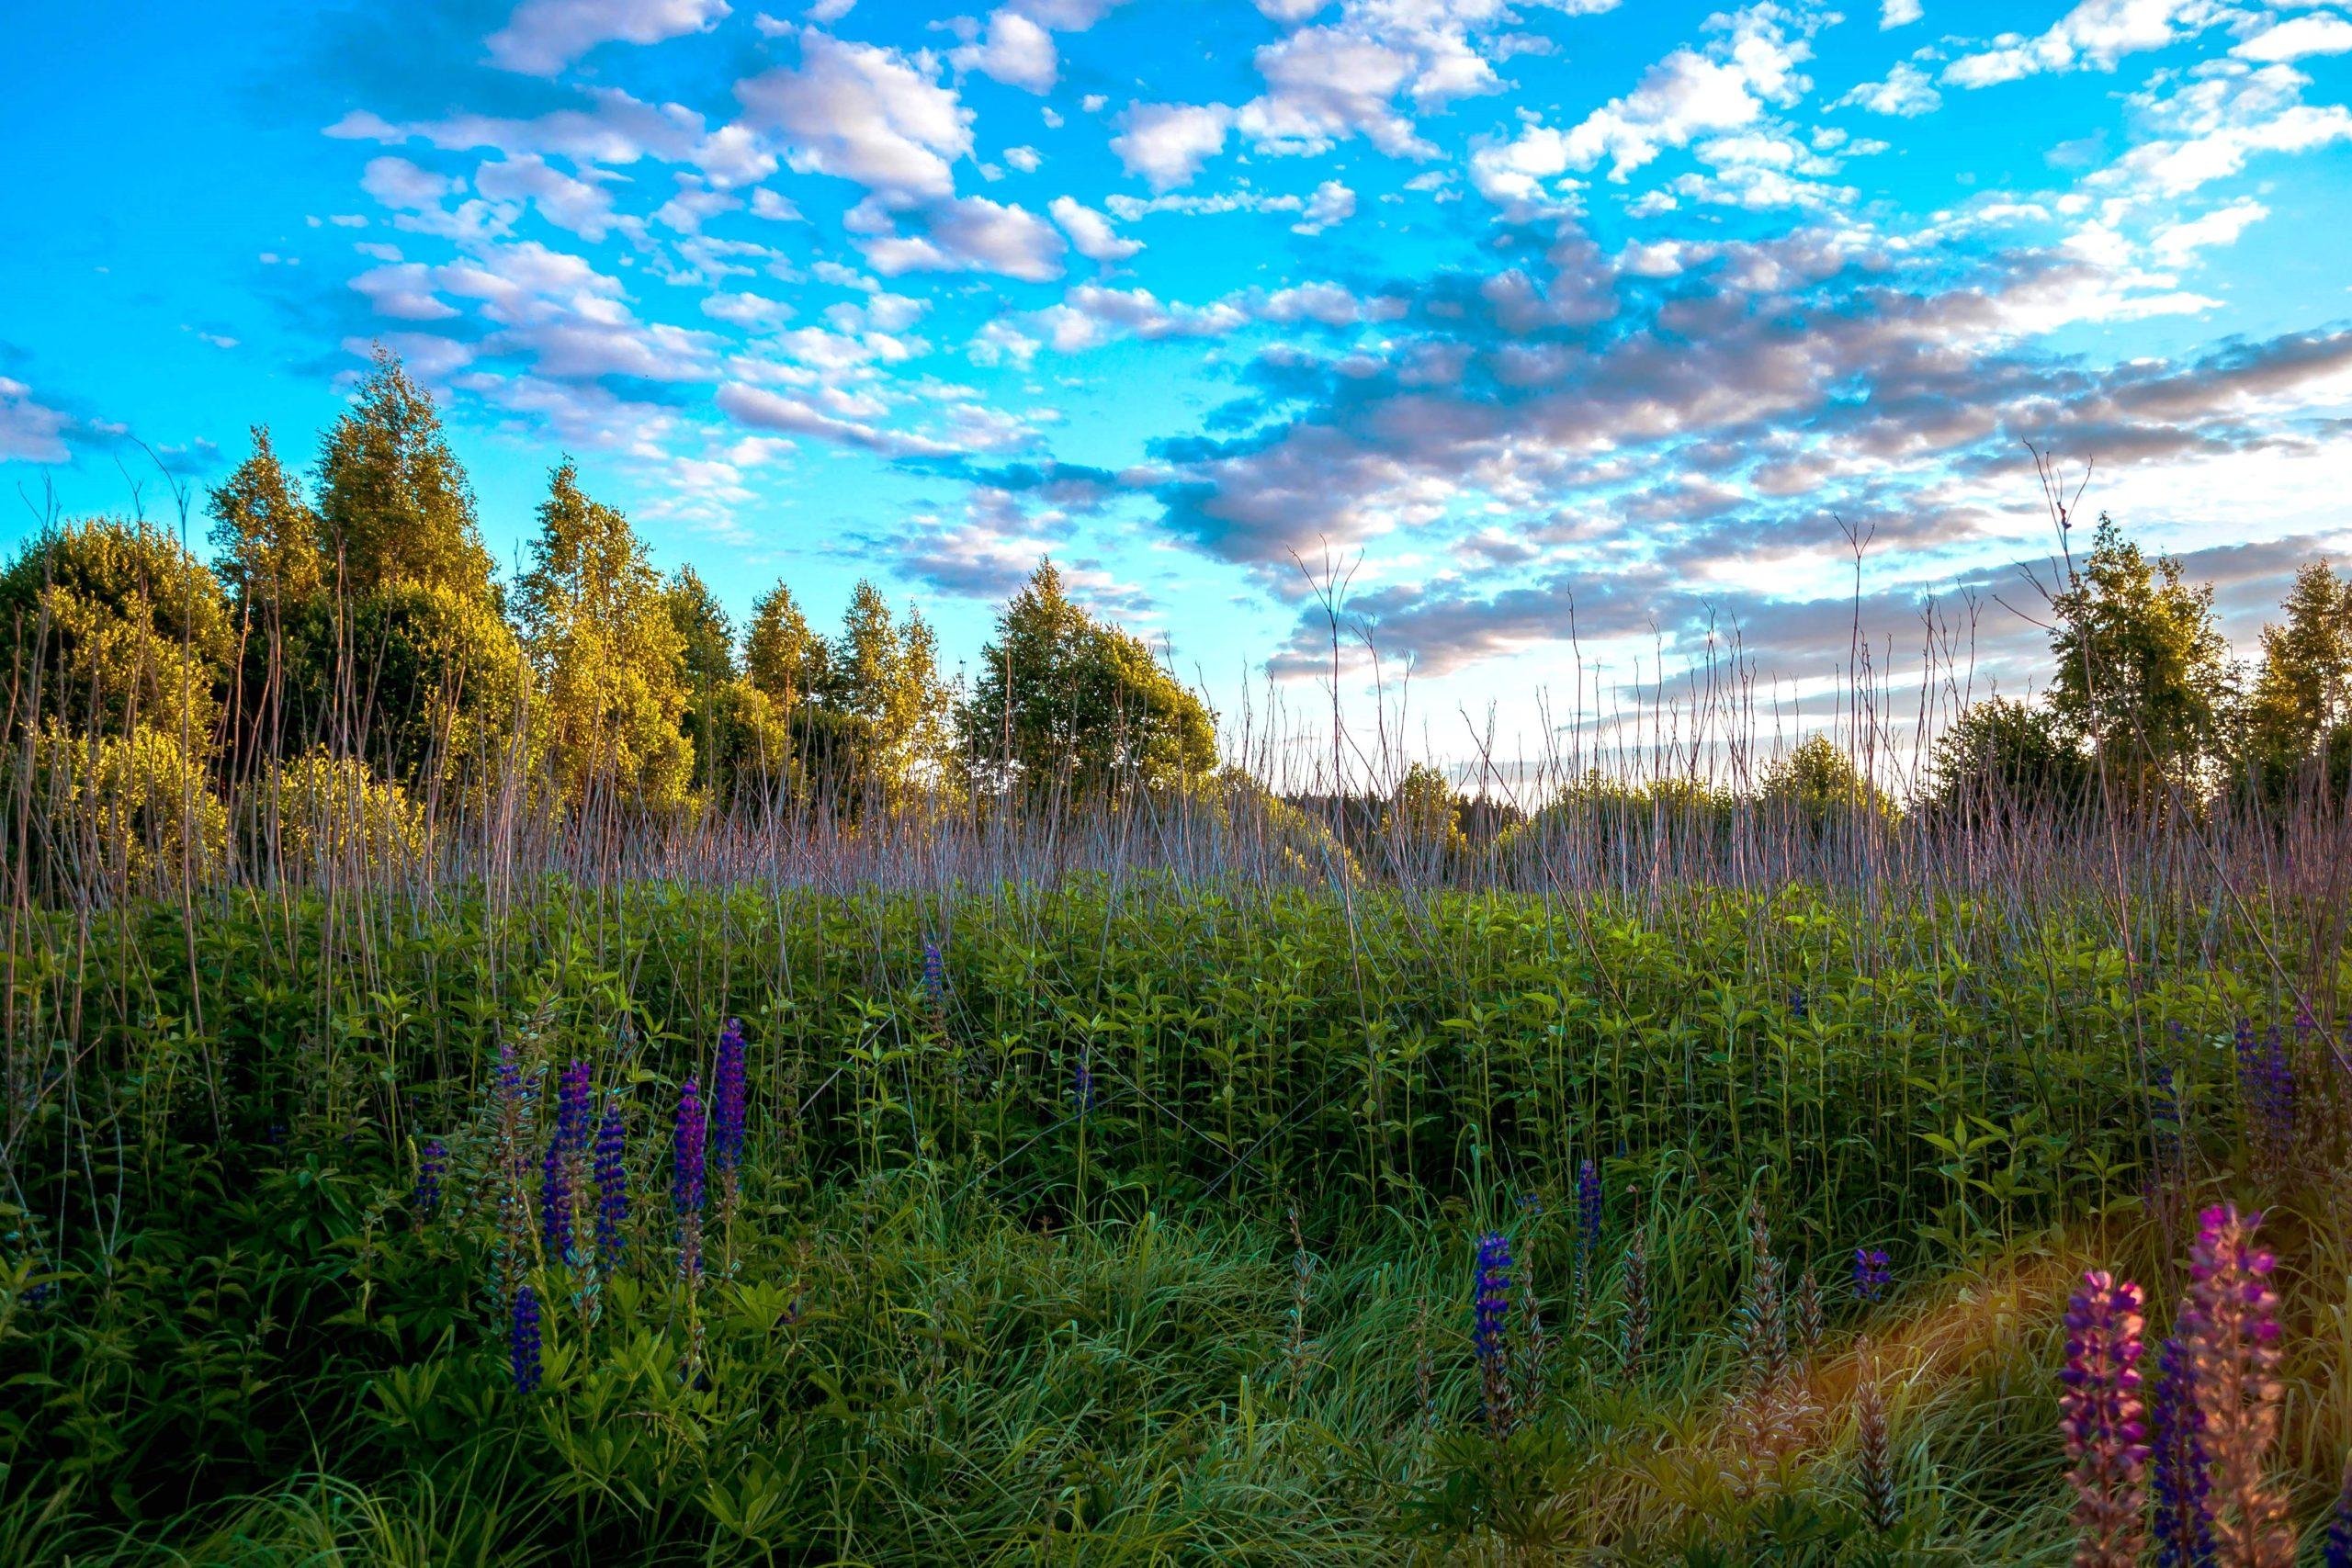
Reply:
x=571 y=1109
x=612 y=1187
x=1490 y=1304
x=686 y=1178
x=555 y=1203
x=2335 y=1548
x=1872 y=1275
x=934 y=975
x=2177 y=1475
x=1589 y=1208
x=523 y=1340
x=729 y=1092
x=431 y=1161
x=1081 y=1087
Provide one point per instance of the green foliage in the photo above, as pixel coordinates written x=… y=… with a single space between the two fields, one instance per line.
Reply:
x=2299 y=712
x=2144 y=673
x=2002 y=756
x=395 y=506
x=129 y=629
x=791 y=664
x=266 y=543
x=1065 y=703
x=1818 y=781
x=895 y=736
x=610 y=658
x=334 y=810
x=124 y=811
x=1424 y=814
x=958 y=1314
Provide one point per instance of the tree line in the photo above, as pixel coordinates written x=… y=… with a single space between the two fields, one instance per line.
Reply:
x=357 y=617
x=349 y=633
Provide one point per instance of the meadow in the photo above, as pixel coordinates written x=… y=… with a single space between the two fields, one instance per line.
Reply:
x=1170 y=1207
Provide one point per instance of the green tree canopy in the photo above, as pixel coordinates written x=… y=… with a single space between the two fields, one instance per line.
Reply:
x=266 y=543
x=1065 y=701
x=131 y=629
x=394 y=503
x=788 y=662
x=2002 y=755
x=884 y=683
x=1817 y=778
x=598 y=627
x=2144 y=672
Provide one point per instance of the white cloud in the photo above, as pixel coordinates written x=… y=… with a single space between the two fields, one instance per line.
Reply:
x=29 y=431
x=2297 y=37
x=544 y=36
x=966 y=234
x=1090 y=232
x=401 y=185
x=753 y=311
x=1025 y=159
x=861 y=113
x=2217 y=123
x=1897 y=13
x=2176 y=242
x=583 y=209
x=1331 y=203
x=1015 y=50
x=1167 y=143
x=1905 y=93
x=2093 y=35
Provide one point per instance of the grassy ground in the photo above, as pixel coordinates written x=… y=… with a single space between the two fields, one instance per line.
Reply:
x=1140 y=1229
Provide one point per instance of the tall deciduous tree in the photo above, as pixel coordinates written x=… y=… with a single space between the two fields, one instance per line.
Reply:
x=608 y=654
x=2144 y=672
x=1064 y=701
x=394 y=500
x=787 y=661
x=265 y=535
x=885 y=684
x=2300 y=708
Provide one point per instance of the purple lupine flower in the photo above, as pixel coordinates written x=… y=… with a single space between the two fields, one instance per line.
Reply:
x=2336 y=1549
x=431 y=1161
x=1489 y=1319
x=1872 y=1275
x=1082 y=1086
x=612 y=1187
x=555 y=1203
x=1589 y=1208
x=729 y=1092
x=935 y=975
x=2099 y=1415
x=523 y=1340
x=2176 y=1476
x=572 y=1116
x=2267 y=1088
x=686 y=1178
x=2229 y=1323
x=1799 y=1008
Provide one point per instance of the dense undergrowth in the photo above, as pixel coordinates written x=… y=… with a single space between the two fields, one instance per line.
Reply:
x=1114 y=1221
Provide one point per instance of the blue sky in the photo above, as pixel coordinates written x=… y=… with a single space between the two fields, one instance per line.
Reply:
x=1575 y=330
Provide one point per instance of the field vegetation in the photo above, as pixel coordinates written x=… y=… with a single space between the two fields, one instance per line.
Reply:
x=534 y=1072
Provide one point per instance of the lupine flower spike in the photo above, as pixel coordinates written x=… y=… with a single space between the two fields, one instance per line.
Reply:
x=730 y=1090
x=1490 y=1315
x=1874 y=1454
x=2099 y=1413
x=1809 y=1314
x=686 y=1181
x=1637 y=1304
x=1763 y=1328
x=2184 y=1518
x=2336 y=1551
x=2230 y=1323
x=431 y=1162
x=523 y=1340
x=612 y=1189
x=1588 y=1218
x=1872 y=1275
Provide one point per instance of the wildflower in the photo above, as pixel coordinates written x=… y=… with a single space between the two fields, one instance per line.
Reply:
x=2229 y=1321
x=686 y=1181
x=612 y=1187
x=1081 y=1089
x=431 y=1161
x=2336 y=1551
x=2266 y=1089
x=523 y=1340
x=727 y=1111
x=1490 y=1311
x=572 y=1111
x=2184 y=1518
x=1799 y=1008
x=934 y=976
x=1589 y=1207
x=1872 y=1275
x=1809 y=1313
x=555 y=1202
x=1872 y=1452
x=2099 y=1413
x=1763 y=1327
x=1637 y=1304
